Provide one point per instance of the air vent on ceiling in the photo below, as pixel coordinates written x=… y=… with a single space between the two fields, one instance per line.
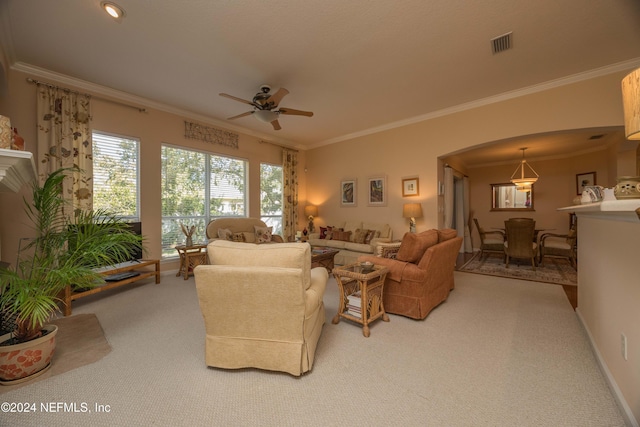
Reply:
x=501 y=43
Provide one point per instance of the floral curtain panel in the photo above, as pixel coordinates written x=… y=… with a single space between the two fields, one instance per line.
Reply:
x=290 y=194
x=64 y=141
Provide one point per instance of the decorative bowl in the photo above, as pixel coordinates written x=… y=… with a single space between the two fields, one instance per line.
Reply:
x=366 y=266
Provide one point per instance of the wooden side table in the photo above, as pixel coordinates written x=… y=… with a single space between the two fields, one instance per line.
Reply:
x=323 y=257
x=351 y=278
x=190 y=257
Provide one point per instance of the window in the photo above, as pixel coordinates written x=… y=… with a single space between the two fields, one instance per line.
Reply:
x=115 y=175
x=198 y=187
x=271 y=196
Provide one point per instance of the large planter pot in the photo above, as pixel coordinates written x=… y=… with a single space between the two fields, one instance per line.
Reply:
x=27 y=360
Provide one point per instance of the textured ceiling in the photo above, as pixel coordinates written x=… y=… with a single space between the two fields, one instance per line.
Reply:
x=359 y=65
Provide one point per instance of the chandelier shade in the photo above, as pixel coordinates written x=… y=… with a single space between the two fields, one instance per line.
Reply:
x=519 y=178
x=631 y=104
x=265 y=116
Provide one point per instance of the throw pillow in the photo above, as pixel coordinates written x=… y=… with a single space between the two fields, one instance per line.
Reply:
x=391 y=253
x=360 y=235
x=323 y=232
x=330 y=230
x=371 y=234
x=414 y=246
x=345 y=236
x=263 y=234
x=238 y=237
x=249 y=237
x=225 y=233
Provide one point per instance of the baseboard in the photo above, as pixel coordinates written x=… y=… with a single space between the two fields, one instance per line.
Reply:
x=629 y=418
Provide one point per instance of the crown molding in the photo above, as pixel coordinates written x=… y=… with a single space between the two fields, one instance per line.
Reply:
x=551 y=84
x=125 y=97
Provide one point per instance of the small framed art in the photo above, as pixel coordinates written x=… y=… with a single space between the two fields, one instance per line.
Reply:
x=377 y=191
x=348 y=196
x=410 y=187
x=583 y=180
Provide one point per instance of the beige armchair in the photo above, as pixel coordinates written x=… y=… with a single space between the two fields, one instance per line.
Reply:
x=520 y=240
x=262 y=306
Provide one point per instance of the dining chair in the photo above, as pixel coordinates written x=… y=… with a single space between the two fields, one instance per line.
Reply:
x=520 y=241
x=560 y=246
x=490 y=241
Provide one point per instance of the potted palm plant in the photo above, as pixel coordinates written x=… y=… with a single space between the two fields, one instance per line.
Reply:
x=66 y=250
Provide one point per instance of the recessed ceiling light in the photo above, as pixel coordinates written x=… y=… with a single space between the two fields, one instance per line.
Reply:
x=115 y=11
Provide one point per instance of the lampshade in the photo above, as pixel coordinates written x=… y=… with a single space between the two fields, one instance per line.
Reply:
x=265 y=116
x=412 y=210
x=631 y=104
x=524 y=183
x=311 y=210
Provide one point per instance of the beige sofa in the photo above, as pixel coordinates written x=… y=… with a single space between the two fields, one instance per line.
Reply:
x=351 y=249
x=241 y=230
x=262 y=306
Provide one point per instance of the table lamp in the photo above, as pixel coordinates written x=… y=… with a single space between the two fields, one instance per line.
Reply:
x=412 y=211
x=311 y=211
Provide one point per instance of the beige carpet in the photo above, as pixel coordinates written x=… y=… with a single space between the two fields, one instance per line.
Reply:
x=498 y=352
x=80 y=341
x=554 y=270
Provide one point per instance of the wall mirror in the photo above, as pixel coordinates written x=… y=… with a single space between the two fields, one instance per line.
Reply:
x=506 y=197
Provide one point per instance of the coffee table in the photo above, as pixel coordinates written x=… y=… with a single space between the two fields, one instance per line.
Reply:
x=322 y=256
x=352 y=278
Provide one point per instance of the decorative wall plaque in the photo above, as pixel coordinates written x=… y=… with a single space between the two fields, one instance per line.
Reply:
x=211 y=135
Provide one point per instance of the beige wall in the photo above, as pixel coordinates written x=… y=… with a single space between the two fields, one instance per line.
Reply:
x=608 y=295
x=555 y=188
x=153 y=129
x=413 y=150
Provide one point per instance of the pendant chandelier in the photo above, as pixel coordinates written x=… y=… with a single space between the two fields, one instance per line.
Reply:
x=523 y=183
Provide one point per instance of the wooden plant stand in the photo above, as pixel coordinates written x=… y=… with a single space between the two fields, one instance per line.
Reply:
x=70 y=295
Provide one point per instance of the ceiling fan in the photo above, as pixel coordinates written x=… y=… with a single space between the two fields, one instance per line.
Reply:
x=265 y=106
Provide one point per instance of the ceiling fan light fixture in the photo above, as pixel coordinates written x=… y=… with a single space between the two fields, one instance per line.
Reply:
x=524 y=183
x=115 y=11
x=265 y=116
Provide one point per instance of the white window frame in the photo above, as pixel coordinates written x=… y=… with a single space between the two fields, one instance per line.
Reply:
x=136 y=216
x=207 y=216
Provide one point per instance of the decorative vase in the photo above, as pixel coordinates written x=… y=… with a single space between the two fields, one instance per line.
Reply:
x=189 y=242
x=628 y=187
x=17 y=142
x=25 y=361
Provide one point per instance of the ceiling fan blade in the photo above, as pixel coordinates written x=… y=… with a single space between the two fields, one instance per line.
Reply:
x=293 y=112
x=235 y=98
x=276 y=125
x=277 y=97
x=241 y=115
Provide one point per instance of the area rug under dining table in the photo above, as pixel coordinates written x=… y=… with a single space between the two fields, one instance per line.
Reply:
x=554 y=270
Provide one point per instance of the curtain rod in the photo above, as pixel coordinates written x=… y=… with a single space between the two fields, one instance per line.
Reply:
x=37 y=82
x=278 y=145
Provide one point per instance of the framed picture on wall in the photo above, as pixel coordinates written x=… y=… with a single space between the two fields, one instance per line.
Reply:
x=377 y=191
x=410 y=187
x=348 y=196
x=583 y=180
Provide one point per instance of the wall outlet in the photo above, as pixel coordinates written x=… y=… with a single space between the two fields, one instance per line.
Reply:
x=623 y=345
